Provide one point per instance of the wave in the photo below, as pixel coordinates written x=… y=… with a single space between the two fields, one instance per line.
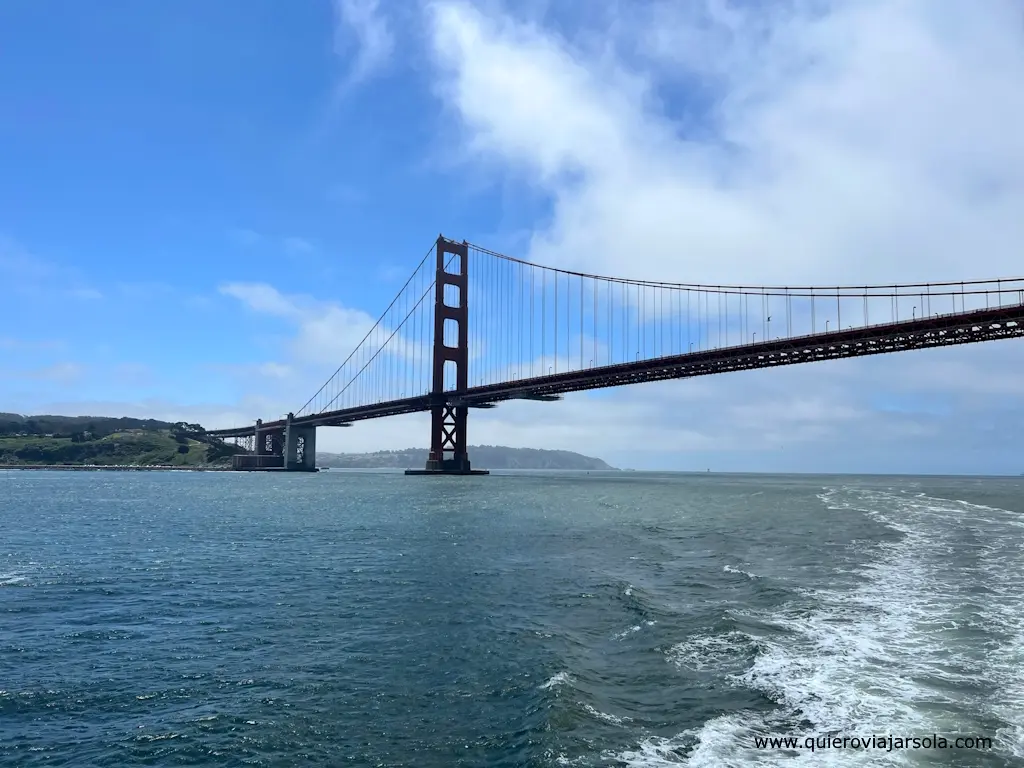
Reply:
x=932 y=636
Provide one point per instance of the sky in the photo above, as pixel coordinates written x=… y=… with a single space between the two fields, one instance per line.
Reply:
x=200 y=201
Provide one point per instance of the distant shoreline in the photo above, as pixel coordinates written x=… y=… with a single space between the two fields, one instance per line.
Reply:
x=492 y=457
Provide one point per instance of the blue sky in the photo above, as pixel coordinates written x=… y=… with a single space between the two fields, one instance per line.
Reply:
x=200 y=202
x=154 y=152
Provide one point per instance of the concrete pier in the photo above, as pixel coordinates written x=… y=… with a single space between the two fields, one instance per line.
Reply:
x=299 y=447
x=249 y=463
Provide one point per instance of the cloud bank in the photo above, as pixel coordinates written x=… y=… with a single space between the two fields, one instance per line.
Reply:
x=752 y=142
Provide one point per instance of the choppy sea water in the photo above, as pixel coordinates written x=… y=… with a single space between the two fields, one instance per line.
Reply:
x=622 y=619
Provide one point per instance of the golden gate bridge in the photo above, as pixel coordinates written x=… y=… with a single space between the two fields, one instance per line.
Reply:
x=472 y=328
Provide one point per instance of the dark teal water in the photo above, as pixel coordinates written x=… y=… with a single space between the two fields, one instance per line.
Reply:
x=598 y=620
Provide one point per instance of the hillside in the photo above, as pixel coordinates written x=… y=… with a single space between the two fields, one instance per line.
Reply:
x=483 y=456
x=107 y=441
x=100 y=440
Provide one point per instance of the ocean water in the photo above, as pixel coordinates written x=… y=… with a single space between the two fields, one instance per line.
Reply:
x=544 y=619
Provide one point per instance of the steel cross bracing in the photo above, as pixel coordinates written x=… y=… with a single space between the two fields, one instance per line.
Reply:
x=948 y=330
x=472 y=328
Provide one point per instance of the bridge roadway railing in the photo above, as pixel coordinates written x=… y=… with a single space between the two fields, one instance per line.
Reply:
x=922 y=333
x=999 y=322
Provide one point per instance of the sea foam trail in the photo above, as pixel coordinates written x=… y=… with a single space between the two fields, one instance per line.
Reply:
x=932 y=638
x=11 y=579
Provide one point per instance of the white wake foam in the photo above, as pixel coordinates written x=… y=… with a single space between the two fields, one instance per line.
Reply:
x=748 y=574
x=888 y=657
x=11 y=579
x=561 y=678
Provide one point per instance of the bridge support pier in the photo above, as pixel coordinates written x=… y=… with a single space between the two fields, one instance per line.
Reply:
x=448 y=447
x=268 y=442
x=299 y=447
x=448 y=454
x=266 y=454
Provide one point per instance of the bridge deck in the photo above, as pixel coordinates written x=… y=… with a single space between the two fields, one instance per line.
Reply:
x=935 y=331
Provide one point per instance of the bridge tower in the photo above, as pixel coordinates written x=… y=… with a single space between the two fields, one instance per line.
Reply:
x=448 y=446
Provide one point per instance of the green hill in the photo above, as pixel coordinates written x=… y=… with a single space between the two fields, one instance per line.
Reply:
x=101 y=440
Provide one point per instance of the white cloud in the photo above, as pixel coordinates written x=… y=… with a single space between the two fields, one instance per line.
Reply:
x=330 y=333
x=260 y=297
x=851 y=141
x=324 y=333
x=362 y=23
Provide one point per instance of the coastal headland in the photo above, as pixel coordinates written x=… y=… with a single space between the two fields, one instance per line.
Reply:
x=100 y=443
